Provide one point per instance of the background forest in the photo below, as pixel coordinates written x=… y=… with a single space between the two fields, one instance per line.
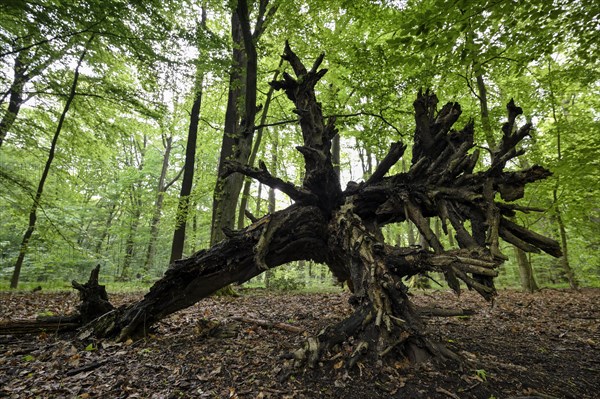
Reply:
x=116 y=117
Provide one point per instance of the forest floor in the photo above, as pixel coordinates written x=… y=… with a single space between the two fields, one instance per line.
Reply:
x=545 y=345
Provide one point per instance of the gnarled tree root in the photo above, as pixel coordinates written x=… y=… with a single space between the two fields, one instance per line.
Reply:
x=370 y=342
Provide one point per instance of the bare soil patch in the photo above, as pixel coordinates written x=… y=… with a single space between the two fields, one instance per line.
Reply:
x=544 y=345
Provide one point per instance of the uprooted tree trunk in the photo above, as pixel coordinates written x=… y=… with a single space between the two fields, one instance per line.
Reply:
x=342 y=228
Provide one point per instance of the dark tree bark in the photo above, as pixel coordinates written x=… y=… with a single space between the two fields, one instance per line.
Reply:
x=342 y=228
x=15 y=99
x=254 y=153
x=239 y=126
x=183 y=206
x=225 y=198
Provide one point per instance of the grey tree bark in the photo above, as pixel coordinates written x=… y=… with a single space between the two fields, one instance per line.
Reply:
x=136 y=159
x=562 y=230
x=162 y=187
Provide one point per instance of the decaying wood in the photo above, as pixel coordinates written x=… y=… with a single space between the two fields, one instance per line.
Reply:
x=19 y=327
x=342 y=228
x=439 y=312
x=94 y=303
x=94 y=299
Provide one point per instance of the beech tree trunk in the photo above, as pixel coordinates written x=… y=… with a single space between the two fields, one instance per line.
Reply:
x=137 y=160
x=254 y=153
x=239 y=126
x=136 y=213
x=225 y=197
x=106 y=227
x=342 y=228
x=564 y=259
x=527 y=278
x=15 y=99
x=526 y=273
x=183 y=206
x=162 y=188
x=562 y=231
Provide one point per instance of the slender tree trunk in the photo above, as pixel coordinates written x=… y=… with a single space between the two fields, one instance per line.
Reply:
x=161 y=189
x=16 y=96
x=224 y=199
x=188 y=178
x=188 y=168
x=564 y=260
x=335 y=154
x=410 y=234
x=481 y=94
x=109 y=219
x=135 y=199
x=525 y=268
x=255 y=148
x=40 y=189
x=136 y=203
x=528 y=282
x=361 y=156
x=237 y=140
x=193 y=241
x=485 y=113
x=274 y=166
x=259 y=199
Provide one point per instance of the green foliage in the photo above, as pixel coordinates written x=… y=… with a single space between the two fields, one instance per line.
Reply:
x=135 y=90
x=28 y=358
x=296 y=276
x=91 y=347
x=481 y=374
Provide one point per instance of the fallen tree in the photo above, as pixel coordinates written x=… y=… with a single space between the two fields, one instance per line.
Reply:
x=94 y=303
x=342 y=228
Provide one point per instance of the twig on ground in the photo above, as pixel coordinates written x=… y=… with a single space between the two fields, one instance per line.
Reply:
x=268 y=324
x=87 y=367
x=447 y=393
